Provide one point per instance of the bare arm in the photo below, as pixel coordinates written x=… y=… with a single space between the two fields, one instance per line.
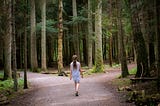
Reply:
x=81 y=72
x=70 y=72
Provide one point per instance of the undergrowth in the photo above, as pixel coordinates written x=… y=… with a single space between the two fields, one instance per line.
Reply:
x=6 y=86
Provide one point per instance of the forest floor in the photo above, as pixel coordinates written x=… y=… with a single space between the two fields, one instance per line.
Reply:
x=51 y=90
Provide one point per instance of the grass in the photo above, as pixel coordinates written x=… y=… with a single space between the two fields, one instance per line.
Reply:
x=121 y=82
x=114 y=65
x=88 y=72
x=133 y=71
x=91 y=71
x=6 y=87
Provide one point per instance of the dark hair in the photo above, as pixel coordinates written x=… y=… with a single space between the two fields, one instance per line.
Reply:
x=74 y=57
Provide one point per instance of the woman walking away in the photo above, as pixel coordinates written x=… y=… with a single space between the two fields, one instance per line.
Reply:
x=75 y=71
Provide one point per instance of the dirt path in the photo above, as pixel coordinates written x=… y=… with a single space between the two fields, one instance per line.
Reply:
x=49 y=90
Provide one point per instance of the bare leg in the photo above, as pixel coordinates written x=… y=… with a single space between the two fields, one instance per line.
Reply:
x=75 y=84
x=77 y=87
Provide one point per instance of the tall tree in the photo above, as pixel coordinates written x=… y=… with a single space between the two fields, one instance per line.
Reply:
x=98 y=37
x=7 y=39
x=34 y=64
x=147 y=20
x=110 y=37
x=25 y=47
x=90 y=34
x=122 y=53
x=75 y=29
x=14 y=47
x=43 y=35
x=140 y=47
x=158 y=39
x=60 y=38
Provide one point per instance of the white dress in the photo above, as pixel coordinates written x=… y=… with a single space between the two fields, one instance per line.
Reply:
x=75 y=72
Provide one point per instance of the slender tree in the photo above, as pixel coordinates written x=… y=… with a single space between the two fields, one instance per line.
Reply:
x=34 y=64
x=14 y=47
x=122 y=53
x=25 y=47
x=75 y=30
x=98 y=37
x=110 y=37
x=43 y=35
x=7 y=40
x=60 y=38
x=90 y=34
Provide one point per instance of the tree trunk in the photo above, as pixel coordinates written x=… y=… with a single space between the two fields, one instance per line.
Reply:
x=60 y=39
x=110 y=51
x=104 y=46
x=98 y=37
x=140 y=47
x=147 y=17
x=122 y=53
x=90 y=35
x=43 y=36
x=75 y=30
x=14 y=48
x=25 y=48
x=34 y=64
x=158 y=40
x=110 y=37
x=7 y=41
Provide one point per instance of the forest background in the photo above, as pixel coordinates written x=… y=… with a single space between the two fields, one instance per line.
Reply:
x=38 y=34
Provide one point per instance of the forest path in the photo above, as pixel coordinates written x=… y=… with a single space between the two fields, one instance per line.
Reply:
x=50 y=90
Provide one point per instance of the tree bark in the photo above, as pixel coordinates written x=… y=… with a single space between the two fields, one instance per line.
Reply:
x=90 y=35
x=43 y=36
x=75 y=30
x=122 y=53
x=34 y=64
x=110 y=51
x=158 y=40
x=25 y=48
x=14 y=48
x=140 y=47
x=60 y=39
x=98 y=37
x=7 y=41
x=110 y=37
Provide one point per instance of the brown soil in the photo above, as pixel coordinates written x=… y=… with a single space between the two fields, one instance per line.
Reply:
x=51 y=90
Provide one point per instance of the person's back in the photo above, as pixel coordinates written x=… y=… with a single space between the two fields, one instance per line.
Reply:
x=75 y=71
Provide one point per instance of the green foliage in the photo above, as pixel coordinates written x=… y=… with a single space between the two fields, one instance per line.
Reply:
x=49 y=26
x=7 y=84
x=127 y=21
x=38 y=70
x=76 y=20
x=115 y=65
x=98 y=69
x=133 y=70
x=138 y=6
x=6 y=87
x=88 y=72
x=1 y=75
